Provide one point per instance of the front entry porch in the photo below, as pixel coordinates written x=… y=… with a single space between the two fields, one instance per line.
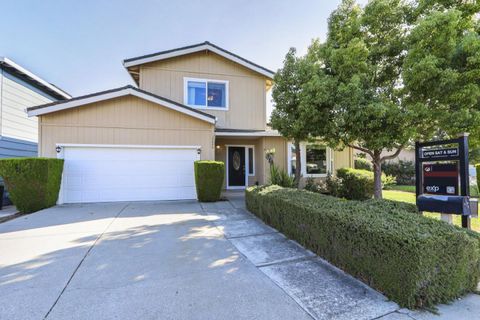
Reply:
x=244 y=158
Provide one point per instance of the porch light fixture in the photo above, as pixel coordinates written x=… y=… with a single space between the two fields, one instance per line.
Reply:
x=58 y=149
x=218 y=147
x=199 y=151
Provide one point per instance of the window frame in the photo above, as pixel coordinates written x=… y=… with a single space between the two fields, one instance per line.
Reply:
x=253 y=160
x=206 y=81
x=303 y=159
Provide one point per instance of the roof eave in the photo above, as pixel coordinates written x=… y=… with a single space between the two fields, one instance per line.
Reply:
x=128 y=63
x=10 y=63
x=115 y=93
x=248 y=134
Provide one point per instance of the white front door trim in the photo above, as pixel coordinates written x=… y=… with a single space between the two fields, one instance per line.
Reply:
x=246 y=164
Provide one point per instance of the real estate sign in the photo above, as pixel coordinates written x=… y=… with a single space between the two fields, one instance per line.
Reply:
x=439 y=153
x=441 y=178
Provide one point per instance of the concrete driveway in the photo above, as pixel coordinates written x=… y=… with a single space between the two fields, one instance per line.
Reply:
x=169 y=260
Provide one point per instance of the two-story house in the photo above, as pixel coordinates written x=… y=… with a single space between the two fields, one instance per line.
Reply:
x=195 y=102
x=20 y=89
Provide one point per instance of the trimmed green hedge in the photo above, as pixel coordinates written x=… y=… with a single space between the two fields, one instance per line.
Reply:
x=414 y=260
x=209 y=177
x=33 y=183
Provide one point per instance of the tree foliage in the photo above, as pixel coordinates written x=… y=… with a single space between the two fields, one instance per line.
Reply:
x=287 y=116
x=442 y=66
x=391 y=72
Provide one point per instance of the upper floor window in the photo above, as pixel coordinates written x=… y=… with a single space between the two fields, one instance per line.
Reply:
x=206 y=93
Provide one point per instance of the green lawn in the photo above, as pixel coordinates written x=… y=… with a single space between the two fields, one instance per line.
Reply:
x=410 y=197
x=402 y=188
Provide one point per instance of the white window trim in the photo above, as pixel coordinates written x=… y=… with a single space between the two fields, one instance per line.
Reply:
x=185 y=93
x=227 y=146
x=303 y=159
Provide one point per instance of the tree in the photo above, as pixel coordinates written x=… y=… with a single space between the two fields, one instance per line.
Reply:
x=394 y=71
x=287 y=117
x=442 y=66
x=359 y=68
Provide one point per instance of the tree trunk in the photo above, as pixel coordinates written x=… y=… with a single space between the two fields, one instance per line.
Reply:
x=298 y=163
x=377 y=174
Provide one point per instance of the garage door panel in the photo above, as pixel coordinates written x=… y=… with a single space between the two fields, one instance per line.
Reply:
x=114 y=154
x=95 y=174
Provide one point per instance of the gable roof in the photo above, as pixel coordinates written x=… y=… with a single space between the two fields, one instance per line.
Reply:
x=33 y=79
x=158 y=56
x=115 y=93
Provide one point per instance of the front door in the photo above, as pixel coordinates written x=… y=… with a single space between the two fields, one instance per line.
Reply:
x=236 y=166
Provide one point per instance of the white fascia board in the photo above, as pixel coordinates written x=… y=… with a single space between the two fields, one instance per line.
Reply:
x=248 y=134
x=132 y=146
x=34 y=77
x=171 y=106
x=116 y=94
x=197 y=49
x=75 y=103
x=242 y=62
x=165 y=56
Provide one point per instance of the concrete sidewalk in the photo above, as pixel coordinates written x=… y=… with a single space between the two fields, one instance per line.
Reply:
x=175 y=260
x=7 y=212
x=320 y=288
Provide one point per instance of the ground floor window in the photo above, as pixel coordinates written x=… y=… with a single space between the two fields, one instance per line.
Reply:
x=251 y=162
x=316 y=159
x=293 y=159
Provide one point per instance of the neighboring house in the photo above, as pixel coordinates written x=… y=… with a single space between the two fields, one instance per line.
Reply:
x=196 y=102
x=405 y=155
x=20 y=89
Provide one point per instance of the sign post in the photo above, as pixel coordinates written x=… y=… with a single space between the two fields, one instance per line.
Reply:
x=442 y=178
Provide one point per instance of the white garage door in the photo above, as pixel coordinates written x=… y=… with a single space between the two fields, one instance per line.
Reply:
x=112 y=173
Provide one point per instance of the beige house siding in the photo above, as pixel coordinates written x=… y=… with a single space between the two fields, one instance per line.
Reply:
x=281 y=153
x=125 y=120
x=247 y=89
x=15 y=98
x=342 y=159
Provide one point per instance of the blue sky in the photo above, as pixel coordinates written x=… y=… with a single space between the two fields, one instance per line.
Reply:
x=79 y=45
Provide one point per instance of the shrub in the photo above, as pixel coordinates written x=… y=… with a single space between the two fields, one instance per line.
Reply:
x=404 y=171
x=388 y=181
x=209 y=176
x=477 y=167
x=413 y=260
x=363 y=164
x=280 y=177
x=333 y=185
x=311 y=185
x=474 y=192
x=33 y=183
x=355 y=184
